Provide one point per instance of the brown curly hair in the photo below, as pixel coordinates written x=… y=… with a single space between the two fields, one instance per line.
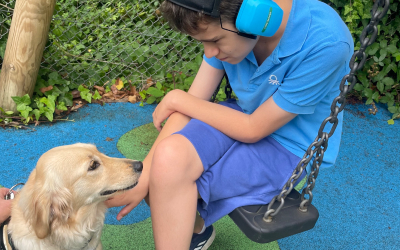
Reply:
x=187 y=21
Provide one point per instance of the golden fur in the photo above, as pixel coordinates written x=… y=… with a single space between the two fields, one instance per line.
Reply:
x=61 y=207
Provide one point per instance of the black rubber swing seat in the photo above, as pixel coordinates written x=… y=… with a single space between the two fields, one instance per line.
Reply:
x=289 y=221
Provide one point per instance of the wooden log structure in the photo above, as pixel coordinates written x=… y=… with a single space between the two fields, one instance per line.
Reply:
x=26 y=41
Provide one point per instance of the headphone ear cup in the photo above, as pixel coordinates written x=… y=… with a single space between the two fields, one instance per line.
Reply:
x=259 y=17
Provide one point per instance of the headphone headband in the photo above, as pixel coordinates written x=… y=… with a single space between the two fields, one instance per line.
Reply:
x=210 y=7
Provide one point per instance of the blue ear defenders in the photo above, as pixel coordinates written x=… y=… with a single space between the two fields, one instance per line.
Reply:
x=255 y=17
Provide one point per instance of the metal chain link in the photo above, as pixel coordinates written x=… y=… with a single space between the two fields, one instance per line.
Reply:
x=320 y=144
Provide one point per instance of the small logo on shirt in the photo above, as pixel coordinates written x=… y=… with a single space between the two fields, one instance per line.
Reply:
x=273 y=80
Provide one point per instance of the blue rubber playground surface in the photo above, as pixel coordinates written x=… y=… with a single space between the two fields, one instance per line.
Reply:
x=358 y=199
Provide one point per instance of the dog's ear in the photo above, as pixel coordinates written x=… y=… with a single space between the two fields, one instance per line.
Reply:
x=49 y=209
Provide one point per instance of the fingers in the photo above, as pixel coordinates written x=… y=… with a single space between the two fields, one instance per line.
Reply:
x=5 y=209
x=157 y=124
x=126 y=210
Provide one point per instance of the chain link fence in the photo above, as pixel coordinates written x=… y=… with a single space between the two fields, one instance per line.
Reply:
x=94 y=42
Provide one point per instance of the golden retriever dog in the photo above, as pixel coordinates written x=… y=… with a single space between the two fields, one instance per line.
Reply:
x=61 y=207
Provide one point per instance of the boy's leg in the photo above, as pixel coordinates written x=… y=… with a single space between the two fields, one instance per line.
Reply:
x=175 y=123
x=173 y=192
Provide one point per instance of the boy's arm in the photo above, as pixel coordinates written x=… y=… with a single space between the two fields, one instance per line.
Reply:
x=206 y=81
x=240 y=126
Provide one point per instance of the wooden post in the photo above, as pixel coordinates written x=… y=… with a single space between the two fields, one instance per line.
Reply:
x=26 y=41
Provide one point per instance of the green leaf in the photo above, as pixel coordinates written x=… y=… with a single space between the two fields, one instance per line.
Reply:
x=383 y=54
x=22 y=100
x=61 y=106
x=358 y=87
x=54 y=75
x=9 y=113
x=25 y=113
x=151 y=100
x=143 y=94
x=49 y=115
x=383 y=44
x=67 y=98
x=388 y=81
x=381 y=87
x=397 y=55
x=375 y=96
x=390 y=122
x=392 y=109
x=392 y=49
x=373 y=49
x=155 y=92
x=96 y=95
x=49 y=102
x=37 y=113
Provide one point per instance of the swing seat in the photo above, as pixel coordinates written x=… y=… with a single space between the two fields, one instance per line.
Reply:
x=289 y=221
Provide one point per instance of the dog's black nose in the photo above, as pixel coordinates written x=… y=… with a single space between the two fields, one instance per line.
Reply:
x=138 y=166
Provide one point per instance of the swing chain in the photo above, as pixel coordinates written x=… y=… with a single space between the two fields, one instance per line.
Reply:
x=320 y=143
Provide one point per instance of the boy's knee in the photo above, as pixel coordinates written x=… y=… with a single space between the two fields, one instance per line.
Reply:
x=168 y=150
x=172 y=157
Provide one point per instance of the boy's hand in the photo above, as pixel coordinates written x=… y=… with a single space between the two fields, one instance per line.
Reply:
x=130 y=199
x=5 y=205
x=165 y=108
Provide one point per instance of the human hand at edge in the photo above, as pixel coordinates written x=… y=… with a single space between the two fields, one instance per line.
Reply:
x=130 y=199
x=5 y=205
x=165 y=108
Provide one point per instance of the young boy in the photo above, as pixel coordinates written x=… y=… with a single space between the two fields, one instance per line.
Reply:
x=215 y=157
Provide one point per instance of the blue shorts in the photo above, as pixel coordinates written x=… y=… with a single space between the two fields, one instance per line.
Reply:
x=235 y=173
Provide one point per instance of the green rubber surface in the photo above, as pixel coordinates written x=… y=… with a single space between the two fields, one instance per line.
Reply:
x=140 y=236
x=135 y=144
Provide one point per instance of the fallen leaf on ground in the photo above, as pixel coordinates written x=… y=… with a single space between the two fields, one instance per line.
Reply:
x=114 y=89
x=132 y=99
x=100 y=89
x=119 y=84
x=109 y=139
x=133 y=90
x=149 y=82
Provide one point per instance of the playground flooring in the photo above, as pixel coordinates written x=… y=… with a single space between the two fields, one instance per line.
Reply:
x=358 y=199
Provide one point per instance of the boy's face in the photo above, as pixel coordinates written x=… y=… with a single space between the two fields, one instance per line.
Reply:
x=224 y=45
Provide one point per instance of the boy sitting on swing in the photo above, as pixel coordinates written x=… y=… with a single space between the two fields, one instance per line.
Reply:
x=285 y=61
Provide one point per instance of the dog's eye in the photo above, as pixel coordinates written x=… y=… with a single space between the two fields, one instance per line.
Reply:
x=93 y=165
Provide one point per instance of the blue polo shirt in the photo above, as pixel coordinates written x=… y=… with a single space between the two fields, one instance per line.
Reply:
x=302 y=75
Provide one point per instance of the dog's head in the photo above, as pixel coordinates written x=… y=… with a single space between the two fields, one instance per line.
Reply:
x=70 y=179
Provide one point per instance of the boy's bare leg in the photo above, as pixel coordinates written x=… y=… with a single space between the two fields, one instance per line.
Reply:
x=176 y=122
x=173 y=192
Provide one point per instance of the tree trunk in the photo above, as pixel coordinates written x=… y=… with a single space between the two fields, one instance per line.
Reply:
x=26 y=41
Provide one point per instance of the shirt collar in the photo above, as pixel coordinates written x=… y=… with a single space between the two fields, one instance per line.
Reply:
x=252 y=58
x=296 y=29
